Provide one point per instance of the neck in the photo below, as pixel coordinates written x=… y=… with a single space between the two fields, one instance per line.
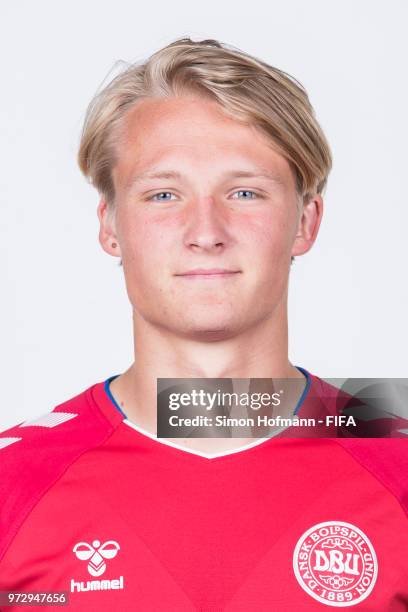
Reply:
x=259 y=352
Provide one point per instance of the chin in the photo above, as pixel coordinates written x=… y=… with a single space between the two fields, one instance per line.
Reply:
x=209 y=331
x=211 y=335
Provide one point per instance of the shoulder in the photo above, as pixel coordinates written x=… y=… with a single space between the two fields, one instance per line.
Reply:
x=35 y=453
x=61 y=432
x=386 y=459
x=378 y=442
x=372 y=414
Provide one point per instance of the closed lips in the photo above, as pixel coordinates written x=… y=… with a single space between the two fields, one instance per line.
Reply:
x=212 y=271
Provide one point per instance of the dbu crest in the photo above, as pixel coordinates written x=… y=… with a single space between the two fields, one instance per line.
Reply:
x=335 y=563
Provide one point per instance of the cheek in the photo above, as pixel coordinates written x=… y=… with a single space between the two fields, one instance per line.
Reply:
x=144 y=239
x=270 y=236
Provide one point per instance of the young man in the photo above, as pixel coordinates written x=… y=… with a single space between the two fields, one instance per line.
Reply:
x=210 y=166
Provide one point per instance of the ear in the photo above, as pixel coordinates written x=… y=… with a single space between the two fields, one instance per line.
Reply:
x=308 y=227
x=107 y=229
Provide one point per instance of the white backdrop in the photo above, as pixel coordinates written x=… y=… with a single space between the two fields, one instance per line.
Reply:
x=65 y=316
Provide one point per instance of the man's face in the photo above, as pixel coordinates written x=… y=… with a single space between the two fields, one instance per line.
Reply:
x=210 y=209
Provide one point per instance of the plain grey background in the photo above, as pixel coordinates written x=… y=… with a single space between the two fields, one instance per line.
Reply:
x=65 y=315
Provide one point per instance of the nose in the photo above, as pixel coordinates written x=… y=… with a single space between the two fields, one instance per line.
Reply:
x=206 y=226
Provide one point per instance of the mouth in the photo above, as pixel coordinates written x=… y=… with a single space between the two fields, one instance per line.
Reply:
x=211 y=274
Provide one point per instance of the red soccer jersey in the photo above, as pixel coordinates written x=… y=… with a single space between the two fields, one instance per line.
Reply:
x=119 y=520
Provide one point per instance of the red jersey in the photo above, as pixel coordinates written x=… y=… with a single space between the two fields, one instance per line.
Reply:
x=119 y=520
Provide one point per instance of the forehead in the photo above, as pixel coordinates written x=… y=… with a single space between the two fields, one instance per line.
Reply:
x=193 y=130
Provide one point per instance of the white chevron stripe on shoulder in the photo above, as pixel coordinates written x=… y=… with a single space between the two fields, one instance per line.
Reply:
x=50 y=419
x=7 y=441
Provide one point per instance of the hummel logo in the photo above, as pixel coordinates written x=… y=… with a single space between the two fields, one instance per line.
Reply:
x=96 y=553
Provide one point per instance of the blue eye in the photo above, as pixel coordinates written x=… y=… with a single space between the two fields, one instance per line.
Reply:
x=247 y=191
x=160 y=194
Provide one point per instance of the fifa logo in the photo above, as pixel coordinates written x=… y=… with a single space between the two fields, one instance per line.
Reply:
x=96 y=554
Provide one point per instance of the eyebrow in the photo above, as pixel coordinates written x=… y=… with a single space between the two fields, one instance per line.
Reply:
x=172 y=174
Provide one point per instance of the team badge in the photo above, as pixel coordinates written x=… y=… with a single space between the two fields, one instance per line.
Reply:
x=335 y=563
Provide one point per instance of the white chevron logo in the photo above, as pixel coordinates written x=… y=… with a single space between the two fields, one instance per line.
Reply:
x=7 y=441
x=51 y=419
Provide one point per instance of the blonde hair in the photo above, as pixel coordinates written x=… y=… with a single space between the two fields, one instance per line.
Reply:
x=247 y=88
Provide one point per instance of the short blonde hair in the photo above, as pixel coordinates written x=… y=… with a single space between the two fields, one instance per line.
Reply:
x=247 y=88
